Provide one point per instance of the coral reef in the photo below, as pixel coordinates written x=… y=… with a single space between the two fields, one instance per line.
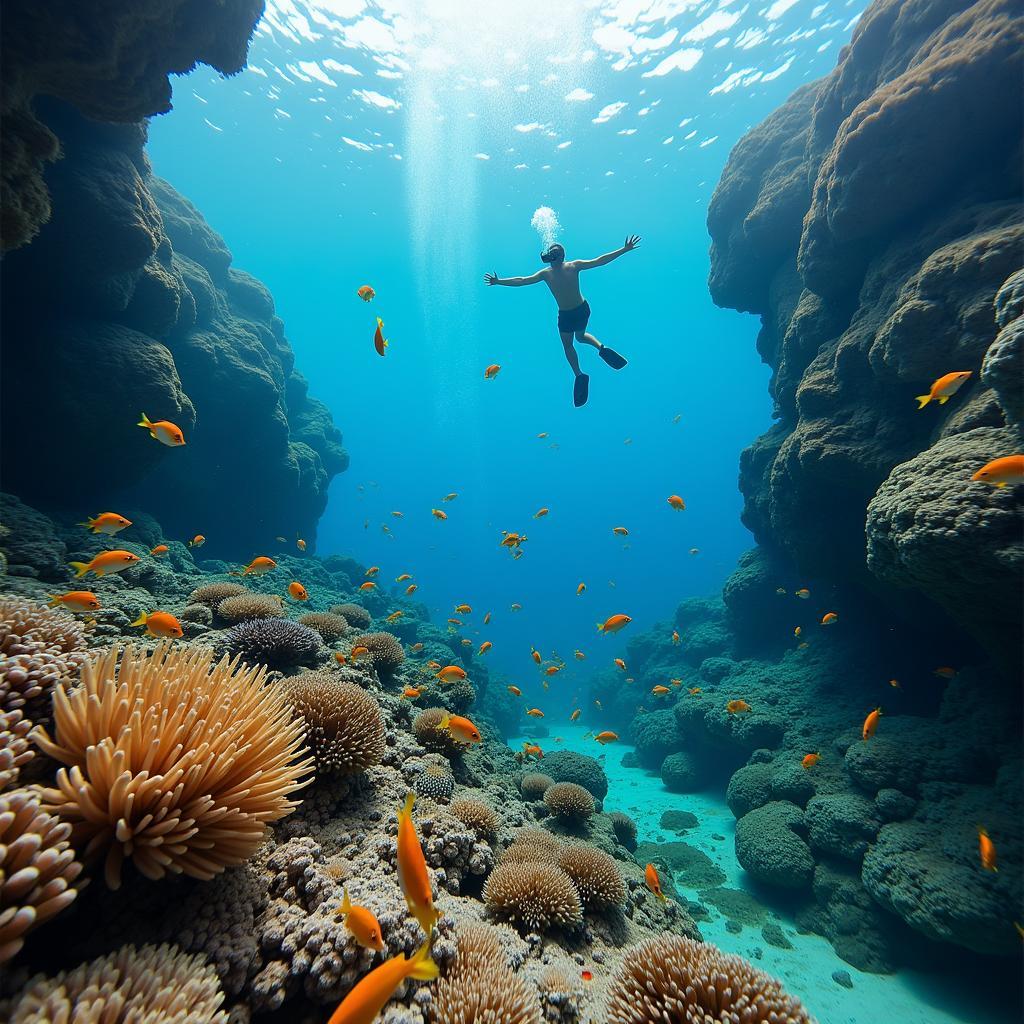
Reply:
x=386 y=651
x=15 y=748
x=535 y=896
x=330 y=627
x=533 y=785
x=569 y=802
x=355 y=615
x=242 y=607
x=275 y=643
x=595 y=875
x=479 y=816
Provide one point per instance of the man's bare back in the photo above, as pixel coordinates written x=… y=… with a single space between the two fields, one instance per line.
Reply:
x=563 y=280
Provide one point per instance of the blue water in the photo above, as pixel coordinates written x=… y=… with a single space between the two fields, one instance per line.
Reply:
x=415 y=210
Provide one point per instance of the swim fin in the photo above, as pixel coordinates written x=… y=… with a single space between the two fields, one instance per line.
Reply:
x=581 y=390
x=612 y=358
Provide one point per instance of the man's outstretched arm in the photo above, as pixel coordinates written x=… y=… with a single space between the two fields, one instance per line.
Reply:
x=514 y=282
x=628 y=246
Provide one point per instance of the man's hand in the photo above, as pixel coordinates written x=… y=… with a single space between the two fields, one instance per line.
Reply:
x=491 y=279
x=631 y=243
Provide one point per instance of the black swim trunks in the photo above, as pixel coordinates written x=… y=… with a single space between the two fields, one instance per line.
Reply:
x=572 y=320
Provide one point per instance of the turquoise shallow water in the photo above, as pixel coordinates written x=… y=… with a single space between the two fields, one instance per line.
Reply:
x=909 y=997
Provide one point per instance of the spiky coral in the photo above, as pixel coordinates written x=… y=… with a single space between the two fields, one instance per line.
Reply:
x=213 y=593
x=386 y=651
x=173 y=763
x=155 y=984
x=343 y=722
x=435 y=781
x=276 y=643
x=675 y=978
x=480 y=817
x=535 y=896
x=625 y=829
x=39 y=647
x=356 y=616
x=595 y=875
x=533 y=785
x=569 y=802
x=532 y=845
x=242 y=607
x=331 y=627
x=479 y=986
x=37 y=868
x=426 y=727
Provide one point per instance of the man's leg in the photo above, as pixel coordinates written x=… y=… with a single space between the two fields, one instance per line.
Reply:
x=587 y=339
x=570 y=352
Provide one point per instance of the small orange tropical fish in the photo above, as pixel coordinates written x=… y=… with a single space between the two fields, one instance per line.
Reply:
x=515 y=691
x=535 y=713
x=485 y=647
x=810 y=760
x=197 y=541
x=492 y=371
x=451 y=673
x=607 y=736
x=871 y=724
x=803 y=593
x=659 y=690
x=945 y=672
x=398 y=515
x=676 y=502
x=163 y=431
x=614 y=623
x=367 y=998
x=579 y=655
x=76 y=601
x=944 y=388
x=372 y=571
x=541 y=513
x=574 y=715
x=411 y=692
x=533 y=750
x=405 y=576
x=365 y=292
x=416 y=647
x=394 y=616
x=587 y=975
x=107 y=522
x=987 y=851
x=258 y=566
x=675 y=682
x=438 y=514
x=798 y=630
x=359 y=653
x=1000 y=472
x=454 y=622
x=675 y=636
x=653 y=881
x=361 y=923
x=412 y=871
x=436 y=665
x=368 y=585
x=487 y=619
x=300 y=544
x=512 y=540
x=466 y=642
x=463 y=609
x=380 y=343
x=105 y=563
x=159 y=551
x=460 y=728
x=297 y=591
x=620 y=663
x=411 y=589
x=552 y=669
x=620 y=531
x=735 y=707
x=535 y=654
x=451 y=497
x=340 y=658
x=161 y=624
x=694 y=690
x=829 y=618
x=580 y=588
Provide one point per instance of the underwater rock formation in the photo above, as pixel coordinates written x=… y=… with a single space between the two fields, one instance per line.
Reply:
x=881 y=252
x=126 y=303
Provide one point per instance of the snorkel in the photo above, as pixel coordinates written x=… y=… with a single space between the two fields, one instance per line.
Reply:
x=555 y=254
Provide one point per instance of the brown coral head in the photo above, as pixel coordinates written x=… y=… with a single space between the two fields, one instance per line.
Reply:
x=534 y=896
x=213 y=593
x=171 y=762
x=243 y=607
x=595 y=875
x=386 y=651
x=569 y=802
x=533 y=845
x=356 y=615
x=533 y=785
x=426 y=727
x=479 y=816
x=331 y=627
x=678 y=979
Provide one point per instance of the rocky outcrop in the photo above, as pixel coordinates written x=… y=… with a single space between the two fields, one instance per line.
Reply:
x=874 y=223
x=112 y=60
x=125 y=303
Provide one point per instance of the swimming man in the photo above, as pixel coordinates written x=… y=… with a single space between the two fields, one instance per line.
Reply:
x=563 y=279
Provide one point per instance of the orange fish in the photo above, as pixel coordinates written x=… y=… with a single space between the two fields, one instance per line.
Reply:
x=359 y=653
x=693 y=691
x=487 y=619
x=987 y=851
x=368 y=585
x=405 y=576
x=541 y=513
x=798 y=630
x=411 y=692
x=945 y=672
x=466 y=642
x=810 y=760
x=161 y=624
x=159 y=551
x=515 y=691
x=580 y=589
x=380 y=343
x=621 y=531
x=535 y=654
x=460 y=728
x=455 y=622
x=607 y=736
x=411 y=589
x=438 y=514
x=300 y=544
x=416 y=648
x=297 y=591
x=451 y=673
x=653 y=881
x=871 y=724
x=412 y=871
x=535 y=713
x=803 y=593
x=659 y=690
x=258 y=566
x=372 y=571
x=436 y=665
x=552 y=669
x=533 y=750
x=107 y=522
x=492 y=371
x=361 y=923
x=676 y=502
x=398 y=515
x=365 y=292
x=512 y=540
x=1000 y=472
x=675 y=682
x=620 y=663
x=394 y=616
x=163 y=431
x=829 y=618
x=76 y=601
x=737 y=706
x=675 y=636
x=104 y=563
x=485 y=647
x=463 y=609
x=339 y=657
x=197 y=541
x=587 y=975
x=579 y=655
x=944 y=388
x=614 y=623
x=574 y=715
x=365 y=1001
x=451 y=497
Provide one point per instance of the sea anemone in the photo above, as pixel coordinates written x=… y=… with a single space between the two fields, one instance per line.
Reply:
x=276 y=643
x=155 y=984
x=533 y=785
x=675 y=978
x=39 y=647
x=533 y=845
x=356 y=615
x=569 y=802
x=534 y=896
x=15 y=749
x=386 y=651
x=243 y=607
x=213 y=593
x=344 y=728
x=480 y=987
x=435 y=781
x=595 y=875
x=173 y=763
x=426 y=727
x=37 y=868
x=625 y=829
x=331 y=627
x=480 y=817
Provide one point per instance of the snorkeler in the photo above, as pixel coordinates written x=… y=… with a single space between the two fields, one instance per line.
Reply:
x=563 y=278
